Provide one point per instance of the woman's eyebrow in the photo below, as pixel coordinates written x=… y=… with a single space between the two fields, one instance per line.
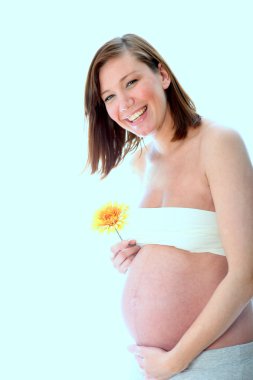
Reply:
x=121 y=80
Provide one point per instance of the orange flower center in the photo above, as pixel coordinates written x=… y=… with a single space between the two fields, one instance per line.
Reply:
x=111 y=217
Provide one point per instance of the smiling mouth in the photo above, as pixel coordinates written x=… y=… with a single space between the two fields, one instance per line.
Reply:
x=136 y=115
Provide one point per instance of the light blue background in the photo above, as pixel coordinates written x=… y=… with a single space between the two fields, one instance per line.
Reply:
x=60 y=297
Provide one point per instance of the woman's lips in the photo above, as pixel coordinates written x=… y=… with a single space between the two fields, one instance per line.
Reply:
x=132 y=118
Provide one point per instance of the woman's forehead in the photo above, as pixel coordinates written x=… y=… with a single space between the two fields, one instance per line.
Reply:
x=125 y=60
x=117 y=68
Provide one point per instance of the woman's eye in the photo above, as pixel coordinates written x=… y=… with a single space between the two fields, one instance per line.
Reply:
x=108 y=98
x=131 y=82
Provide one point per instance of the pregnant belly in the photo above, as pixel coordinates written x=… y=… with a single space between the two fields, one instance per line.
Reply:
x=165 y=291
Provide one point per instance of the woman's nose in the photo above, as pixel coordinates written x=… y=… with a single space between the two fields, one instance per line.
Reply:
x=125 y=103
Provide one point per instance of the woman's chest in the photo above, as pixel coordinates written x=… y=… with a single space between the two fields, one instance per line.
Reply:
x=176 y=181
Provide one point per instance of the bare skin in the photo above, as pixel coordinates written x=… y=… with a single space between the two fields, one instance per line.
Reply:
x=191 y=278
x=205 y=298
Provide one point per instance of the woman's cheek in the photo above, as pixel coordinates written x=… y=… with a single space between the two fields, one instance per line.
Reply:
x=111 y=112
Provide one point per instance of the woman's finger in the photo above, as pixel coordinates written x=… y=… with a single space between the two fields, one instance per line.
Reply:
x=124 y=254
x=116 y=248
x=126 y=264
x=119 y=259
x=119 y=246
x=140 y=361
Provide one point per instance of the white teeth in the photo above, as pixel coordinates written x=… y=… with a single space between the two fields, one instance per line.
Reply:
x=137 y=114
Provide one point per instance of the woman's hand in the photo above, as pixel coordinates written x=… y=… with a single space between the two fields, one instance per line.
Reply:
x=123 y=254
x=156 y=363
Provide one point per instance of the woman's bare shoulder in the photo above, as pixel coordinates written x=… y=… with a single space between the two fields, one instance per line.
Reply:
x=213 y=133
x=222 y=150
x=220 y=145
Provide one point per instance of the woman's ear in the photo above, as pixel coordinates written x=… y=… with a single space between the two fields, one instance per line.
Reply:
x=165 y=77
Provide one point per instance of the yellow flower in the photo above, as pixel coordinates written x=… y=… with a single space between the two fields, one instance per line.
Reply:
x=111 y=217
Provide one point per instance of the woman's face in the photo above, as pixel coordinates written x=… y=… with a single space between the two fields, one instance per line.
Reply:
x=134 y=95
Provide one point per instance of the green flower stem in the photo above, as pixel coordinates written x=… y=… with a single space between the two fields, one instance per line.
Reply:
x=118 y=233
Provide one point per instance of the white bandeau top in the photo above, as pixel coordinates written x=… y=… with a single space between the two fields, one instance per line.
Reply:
x=187 y=228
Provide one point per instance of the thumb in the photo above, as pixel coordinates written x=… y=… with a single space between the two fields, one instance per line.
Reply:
x=131 y=243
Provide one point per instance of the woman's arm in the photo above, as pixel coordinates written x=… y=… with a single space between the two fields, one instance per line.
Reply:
x=230 y=176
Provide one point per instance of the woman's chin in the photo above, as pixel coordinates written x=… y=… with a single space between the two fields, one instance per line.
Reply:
x=142 y=132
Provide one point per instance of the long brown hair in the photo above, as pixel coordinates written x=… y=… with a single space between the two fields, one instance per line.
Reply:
x=108 y=143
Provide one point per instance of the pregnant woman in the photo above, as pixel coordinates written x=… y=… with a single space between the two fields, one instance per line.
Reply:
x=187 y=298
